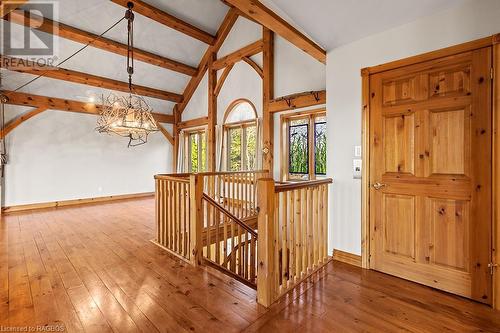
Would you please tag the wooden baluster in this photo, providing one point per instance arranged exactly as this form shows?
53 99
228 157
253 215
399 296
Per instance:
284 241
172 215
233 247
239 251
277 241
291 239
298 234
238 196
309 230
181 220
245 254
158 209
186 218
316 238
304 231
178 216
325 223
217 223
265 245
253 264
168 213
224 245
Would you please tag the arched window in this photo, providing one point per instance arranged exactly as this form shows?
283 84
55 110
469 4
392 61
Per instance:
240 127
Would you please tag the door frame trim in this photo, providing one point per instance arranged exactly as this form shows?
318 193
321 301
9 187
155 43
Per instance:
494 42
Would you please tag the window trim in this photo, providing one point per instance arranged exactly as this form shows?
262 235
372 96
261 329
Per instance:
284 146
243 125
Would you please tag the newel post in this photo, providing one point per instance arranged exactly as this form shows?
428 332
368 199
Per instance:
196 218
265 247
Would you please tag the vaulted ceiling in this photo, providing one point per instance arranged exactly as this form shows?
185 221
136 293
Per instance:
172 38
177 50
333 23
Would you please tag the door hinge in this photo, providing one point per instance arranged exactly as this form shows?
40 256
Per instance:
492 267
492 73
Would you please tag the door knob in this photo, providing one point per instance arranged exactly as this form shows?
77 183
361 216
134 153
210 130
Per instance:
378 185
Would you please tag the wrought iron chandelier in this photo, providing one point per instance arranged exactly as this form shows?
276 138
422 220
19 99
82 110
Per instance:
128 116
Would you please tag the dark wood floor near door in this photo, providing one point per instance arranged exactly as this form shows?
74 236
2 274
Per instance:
93 268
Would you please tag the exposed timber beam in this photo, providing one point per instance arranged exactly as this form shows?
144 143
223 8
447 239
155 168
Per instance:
297 101
202 121
222 79
18 98
234 57
222 33
266 17
169 20
8 6
267 96
254 65
165 133
11 125
26 66
84 37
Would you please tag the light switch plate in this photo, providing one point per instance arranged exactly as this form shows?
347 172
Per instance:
357 151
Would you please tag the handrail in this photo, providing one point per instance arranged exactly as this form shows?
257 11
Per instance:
230 215
216 173
175 179
299 185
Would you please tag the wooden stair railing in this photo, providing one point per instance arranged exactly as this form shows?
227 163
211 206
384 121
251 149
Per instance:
181 225
293 235
235 252
270 236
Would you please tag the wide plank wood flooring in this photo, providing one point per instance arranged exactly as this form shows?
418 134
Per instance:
93 269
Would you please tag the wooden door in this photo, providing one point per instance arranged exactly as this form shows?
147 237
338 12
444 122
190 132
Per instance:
431 174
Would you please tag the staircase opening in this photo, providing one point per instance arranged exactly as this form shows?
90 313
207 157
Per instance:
270 236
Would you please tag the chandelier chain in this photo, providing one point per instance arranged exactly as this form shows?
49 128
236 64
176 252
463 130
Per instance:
131 116
129 15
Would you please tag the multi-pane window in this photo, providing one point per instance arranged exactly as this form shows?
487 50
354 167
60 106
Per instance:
304 145
196 151
240 125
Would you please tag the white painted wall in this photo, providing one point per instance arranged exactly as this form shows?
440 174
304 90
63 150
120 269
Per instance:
58 156
471 20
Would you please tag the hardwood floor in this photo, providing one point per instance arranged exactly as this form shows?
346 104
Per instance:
93 269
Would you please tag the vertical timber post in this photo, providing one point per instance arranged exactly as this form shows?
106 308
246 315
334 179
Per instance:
268 95
265 246
196 218
212 112
175 130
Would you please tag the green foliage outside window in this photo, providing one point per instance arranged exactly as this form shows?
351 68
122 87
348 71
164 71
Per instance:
320 148
193 149
197 152
251 148
235 149
299 149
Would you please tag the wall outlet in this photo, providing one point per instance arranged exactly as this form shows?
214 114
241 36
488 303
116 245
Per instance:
356 168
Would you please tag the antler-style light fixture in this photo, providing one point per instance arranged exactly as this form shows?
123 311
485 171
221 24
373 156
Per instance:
128 116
